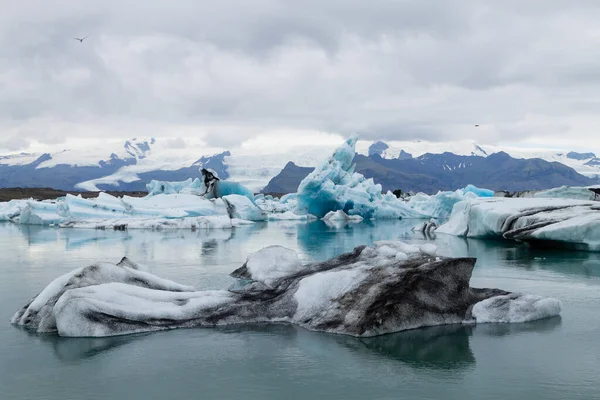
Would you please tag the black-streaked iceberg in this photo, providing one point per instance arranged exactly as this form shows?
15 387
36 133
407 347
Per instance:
388 287
543 221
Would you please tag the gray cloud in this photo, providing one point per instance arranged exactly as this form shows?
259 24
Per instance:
14 143
177 143
389 70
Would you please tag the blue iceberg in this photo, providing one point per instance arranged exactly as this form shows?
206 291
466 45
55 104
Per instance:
479 192
334 186
440 205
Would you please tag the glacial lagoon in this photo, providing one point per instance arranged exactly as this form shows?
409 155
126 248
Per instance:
556 358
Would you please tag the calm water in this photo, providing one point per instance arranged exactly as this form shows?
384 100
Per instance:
557 358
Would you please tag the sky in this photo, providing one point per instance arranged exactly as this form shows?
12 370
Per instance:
232 72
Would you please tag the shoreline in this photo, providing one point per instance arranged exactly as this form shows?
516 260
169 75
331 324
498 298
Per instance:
20 193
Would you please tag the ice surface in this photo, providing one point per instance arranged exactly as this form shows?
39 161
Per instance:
141 306
273 263
514 308
429 249
316 293
569 222
335 186
39 313
385 288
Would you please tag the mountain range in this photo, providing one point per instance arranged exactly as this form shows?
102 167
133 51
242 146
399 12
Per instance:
409 166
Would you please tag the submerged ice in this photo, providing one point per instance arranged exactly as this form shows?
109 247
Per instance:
388 287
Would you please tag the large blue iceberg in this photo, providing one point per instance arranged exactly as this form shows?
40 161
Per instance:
334 186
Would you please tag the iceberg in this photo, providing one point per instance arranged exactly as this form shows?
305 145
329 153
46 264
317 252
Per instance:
273 205
440 205
387 287
570 192
11 209
339 215
161 211
211 187
551 221
242 208
334 186
479 192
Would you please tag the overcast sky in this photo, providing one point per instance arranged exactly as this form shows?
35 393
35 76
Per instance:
230 70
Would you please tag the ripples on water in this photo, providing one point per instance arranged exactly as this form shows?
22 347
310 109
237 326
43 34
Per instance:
556 358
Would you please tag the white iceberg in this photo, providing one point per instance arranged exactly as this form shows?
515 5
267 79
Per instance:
339 215
570 223
385 288
273 205
11 209
335 186
570 192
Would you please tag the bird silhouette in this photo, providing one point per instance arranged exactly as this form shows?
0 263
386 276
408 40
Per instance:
82 39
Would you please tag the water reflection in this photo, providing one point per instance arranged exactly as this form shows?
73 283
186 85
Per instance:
315 240
490 253
438 347
444 347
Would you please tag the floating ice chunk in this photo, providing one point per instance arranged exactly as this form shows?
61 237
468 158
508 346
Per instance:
573 223
241 207
39 213
362 293
335 186
339 215
515 307
226 188
148 211
272 263
11 209
400 256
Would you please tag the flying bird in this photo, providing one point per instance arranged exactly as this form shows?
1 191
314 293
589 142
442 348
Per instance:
82 39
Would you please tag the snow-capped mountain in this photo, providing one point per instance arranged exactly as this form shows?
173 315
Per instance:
130 165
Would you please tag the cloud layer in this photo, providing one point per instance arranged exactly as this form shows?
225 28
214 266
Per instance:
228 71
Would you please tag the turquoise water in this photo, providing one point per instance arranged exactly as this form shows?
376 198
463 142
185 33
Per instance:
557 358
